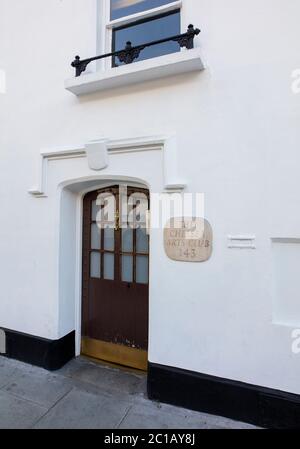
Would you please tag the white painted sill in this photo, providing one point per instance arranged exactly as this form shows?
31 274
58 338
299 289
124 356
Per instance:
151 69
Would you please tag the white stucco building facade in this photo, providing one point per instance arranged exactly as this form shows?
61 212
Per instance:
220 119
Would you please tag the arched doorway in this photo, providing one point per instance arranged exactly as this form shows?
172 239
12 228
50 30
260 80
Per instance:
115 275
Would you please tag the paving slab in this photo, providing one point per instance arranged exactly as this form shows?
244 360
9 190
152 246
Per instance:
107 378
150 415
16 413
82 410
6 371
38 386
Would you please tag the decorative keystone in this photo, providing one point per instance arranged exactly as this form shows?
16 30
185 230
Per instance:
97 154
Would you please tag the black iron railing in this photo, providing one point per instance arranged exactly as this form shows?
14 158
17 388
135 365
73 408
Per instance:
130 53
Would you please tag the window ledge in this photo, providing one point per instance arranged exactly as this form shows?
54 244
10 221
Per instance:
150 69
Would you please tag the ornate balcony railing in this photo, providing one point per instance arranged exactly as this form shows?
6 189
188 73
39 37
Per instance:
130 53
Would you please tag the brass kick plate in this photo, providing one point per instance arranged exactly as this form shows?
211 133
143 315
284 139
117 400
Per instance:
119 354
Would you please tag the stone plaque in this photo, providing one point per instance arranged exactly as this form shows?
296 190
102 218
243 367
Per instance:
188 239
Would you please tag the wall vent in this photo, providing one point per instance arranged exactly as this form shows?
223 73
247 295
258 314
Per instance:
241 242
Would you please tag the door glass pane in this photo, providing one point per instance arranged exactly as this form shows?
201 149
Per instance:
109 239
127 263
142 270
127 240
109 266
142 240
95 264
95 210
95 237
151 30
121 8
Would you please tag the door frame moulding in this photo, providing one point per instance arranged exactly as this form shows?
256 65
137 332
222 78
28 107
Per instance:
79 242
167 144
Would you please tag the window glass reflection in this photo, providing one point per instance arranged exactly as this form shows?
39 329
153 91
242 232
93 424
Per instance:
149 31
109 266
121 8
127 265
127 240
95 265
142 240
109 239
95 237
142 270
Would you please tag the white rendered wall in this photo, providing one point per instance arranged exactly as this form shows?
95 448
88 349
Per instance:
237 125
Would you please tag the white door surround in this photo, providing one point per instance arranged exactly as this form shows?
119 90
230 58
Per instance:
66 175
167 144
70 249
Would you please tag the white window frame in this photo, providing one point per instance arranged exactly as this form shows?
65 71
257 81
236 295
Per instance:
105 26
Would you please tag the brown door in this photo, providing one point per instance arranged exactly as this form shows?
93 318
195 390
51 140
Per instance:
115 276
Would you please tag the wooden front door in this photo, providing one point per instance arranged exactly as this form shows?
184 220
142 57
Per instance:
115 276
